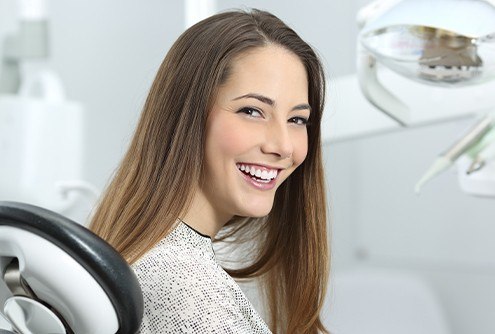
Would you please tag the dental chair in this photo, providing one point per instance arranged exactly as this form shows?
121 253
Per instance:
57 277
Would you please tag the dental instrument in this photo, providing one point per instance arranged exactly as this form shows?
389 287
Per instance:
481 158
485 141
445 160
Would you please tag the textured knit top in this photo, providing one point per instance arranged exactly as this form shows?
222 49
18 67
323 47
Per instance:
185 290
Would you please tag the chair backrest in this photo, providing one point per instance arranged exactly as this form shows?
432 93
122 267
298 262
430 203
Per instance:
59 277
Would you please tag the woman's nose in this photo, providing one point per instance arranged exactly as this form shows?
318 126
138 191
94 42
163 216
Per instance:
278 141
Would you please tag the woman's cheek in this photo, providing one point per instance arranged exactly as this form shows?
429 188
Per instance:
235 136
300 147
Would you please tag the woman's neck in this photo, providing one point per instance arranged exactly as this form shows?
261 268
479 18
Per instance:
204 217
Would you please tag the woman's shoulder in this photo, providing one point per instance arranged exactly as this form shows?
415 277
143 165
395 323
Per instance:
184 287
173 256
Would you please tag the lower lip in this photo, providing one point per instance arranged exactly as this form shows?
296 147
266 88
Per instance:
259 185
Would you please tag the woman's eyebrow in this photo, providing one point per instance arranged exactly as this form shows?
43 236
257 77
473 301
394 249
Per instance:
271 102
259 97
303 106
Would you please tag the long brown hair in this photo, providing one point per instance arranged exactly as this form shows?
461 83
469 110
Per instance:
154 183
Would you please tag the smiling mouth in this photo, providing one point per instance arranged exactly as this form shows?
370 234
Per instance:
262 175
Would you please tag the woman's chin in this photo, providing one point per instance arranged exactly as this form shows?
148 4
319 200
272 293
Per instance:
257 211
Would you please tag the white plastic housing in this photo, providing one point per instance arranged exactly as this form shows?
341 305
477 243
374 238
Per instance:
59 280
29 316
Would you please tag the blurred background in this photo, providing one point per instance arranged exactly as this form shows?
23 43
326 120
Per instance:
401 262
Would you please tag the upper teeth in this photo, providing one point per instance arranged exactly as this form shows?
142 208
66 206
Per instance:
264 174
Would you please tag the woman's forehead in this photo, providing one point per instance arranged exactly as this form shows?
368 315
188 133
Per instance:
271 71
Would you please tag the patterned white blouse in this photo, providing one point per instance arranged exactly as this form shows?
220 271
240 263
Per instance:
186 291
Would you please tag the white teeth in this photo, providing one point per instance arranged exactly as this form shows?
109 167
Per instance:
263 174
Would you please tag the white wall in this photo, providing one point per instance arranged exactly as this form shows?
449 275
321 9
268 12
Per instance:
444 235
107 53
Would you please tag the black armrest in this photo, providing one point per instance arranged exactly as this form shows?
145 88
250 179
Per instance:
106 265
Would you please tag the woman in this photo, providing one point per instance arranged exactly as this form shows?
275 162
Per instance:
228 146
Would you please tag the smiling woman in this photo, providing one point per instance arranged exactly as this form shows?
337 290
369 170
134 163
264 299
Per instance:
225 148
259 131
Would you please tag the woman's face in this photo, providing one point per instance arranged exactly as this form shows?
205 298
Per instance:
257 125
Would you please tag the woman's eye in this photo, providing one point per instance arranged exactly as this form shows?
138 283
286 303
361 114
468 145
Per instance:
299 120
251 112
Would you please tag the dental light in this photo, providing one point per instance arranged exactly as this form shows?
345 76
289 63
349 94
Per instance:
445 43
